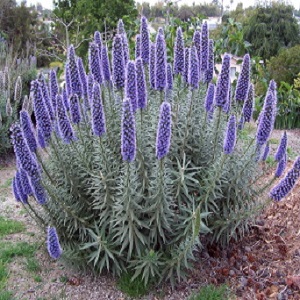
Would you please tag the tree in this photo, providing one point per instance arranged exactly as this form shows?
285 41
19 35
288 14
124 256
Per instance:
271 28
92 15
285 66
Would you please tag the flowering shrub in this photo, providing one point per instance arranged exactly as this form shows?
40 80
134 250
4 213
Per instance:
142 162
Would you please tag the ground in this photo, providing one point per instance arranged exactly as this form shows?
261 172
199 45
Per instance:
265 264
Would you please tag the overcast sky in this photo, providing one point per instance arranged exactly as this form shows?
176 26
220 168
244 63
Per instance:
49 3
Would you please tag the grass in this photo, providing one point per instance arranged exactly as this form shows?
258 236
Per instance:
10 227
6 184
4 295
274 141
135 288
211 292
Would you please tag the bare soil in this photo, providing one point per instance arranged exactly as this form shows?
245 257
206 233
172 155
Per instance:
265 264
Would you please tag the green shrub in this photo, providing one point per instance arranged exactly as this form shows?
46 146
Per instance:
124 199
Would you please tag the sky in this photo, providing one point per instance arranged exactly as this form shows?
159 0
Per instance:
296 3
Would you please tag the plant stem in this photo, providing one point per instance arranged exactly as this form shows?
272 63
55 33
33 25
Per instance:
217 131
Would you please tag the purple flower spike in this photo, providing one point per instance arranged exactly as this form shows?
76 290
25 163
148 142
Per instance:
125 48
105 64
282 148
94 62
145 41
241 123
227 106
210 63
65 129
25 183
82 75
179 53
193 69
266 120
163 137
38 190
230 137
68 80
98 39
65 99
138 46
281 166
76 87
75 109
222 90
160 63
41 113
118 62
28 131
24 156
249 104
197 44
98 117
266 152
141 84
128 135
186 64
45 95
287 183
53 246
209 99
120 27
152 65
90 83
204 51
41 138
130 85
53 89
18 182
169 77
15 190
243 81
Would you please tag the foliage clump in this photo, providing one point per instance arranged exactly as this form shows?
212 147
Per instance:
134 176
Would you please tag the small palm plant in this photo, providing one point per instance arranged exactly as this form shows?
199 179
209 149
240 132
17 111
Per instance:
129 166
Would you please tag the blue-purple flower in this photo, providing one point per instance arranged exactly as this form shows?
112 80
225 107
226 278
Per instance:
25 182
130 85
209 99
281 148
137 50
193 78
141 84
266 120
75 109
160 63
179 53
65 100
163 137
118 62
41 113
287 183
169 77
186 64
204 51
38 190
98 39
76 87
210 63
18 183
105 64
45 95
266 152
125 48
28 131
68 86
53 89
41 138
53 245
145 41
98 117
281 166
248 104
65 129
222 89
25 158
128 134
94 62
15 190
120 27
152 65
230 136
243 81
82 75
